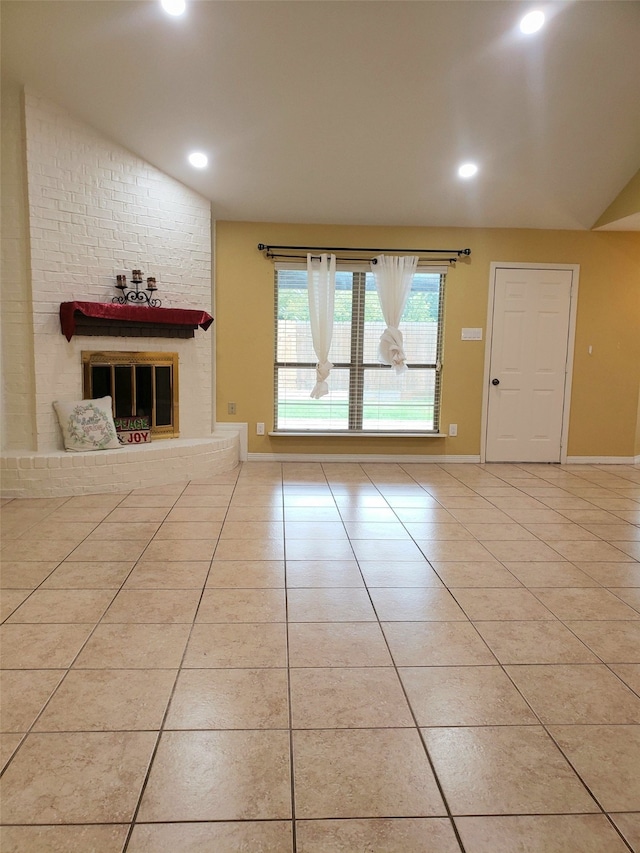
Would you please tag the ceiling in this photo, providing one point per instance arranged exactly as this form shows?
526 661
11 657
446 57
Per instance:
354 111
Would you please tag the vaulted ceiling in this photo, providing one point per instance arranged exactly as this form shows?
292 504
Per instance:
354 111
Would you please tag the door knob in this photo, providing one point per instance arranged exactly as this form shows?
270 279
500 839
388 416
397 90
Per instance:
495 381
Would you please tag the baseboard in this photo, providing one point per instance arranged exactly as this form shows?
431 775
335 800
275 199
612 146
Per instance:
603 460
358 457
398 458
242 431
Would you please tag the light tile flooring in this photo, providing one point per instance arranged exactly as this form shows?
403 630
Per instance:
323 658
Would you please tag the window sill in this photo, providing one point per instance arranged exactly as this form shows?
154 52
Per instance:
317 434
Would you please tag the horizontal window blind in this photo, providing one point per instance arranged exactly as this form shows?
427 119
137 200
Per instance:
364 395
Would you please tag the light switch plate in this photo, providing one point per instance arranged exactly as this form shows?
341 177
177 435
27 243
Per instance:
472 334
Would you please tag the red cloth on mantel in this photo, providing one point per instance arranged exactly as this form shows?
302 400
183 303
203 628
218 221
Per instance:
132 313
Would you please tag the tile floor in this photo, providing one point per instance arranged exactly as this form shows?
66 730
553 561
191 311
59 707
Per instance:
323 658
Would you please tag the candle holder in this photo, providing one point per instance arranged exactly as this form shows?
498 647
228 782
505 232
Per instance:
135 295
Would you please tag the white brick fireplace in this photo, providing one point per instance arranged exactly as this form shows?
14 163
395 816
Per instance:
95 211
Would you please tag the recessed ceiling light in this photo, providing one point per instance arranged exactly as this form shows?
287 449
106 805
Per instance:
198 159
467 170
174 7
532 22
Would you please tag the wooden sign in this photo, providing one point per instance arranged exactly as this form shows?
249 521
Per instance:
128 424
133 430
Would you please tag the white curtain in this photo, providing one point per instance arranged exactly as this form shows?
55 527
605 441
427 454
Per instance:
321 286
393 276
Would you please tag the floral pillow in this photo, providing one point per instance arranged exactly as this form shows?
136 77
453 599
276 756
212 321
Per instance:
87 424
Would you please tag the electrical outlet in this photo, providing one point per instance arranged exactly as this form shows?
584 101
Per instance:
453 429
231 408
259 429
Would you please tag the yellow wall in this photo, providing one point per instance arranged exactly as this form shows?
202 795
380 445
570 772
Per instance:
606 384
18 366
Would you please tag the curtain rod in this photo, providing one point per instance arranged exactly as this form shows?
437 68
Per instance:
273 255
262 247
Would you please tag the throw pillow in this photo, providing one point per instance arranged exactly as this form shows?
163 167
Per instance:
87 424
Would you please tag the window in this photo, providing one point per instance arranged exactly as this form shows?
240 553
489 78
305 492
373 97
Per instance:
364 395
140 384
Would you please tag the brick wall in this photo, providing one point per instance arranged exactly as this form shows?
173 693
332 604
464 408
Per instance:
96 210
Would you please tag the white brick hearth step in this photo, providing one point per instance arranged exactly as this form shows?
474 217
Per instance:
59 473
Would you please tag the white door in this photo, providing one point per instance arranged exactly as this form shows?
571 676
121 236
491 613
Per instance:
528 363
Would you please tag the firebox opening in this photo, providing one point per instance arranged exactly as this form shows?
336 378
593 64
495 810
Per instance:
140 384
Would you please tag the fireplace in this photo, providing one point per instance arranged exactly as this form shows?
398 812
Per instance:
140 384
62 274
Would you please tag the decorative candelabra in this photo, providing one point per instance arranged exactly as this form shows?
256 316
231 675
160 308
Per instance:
137 296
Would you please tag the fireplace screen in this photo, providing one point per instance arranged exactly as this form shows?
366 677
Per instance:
141 384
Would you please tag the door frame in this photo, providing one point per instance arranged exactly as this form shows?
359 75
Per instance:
568 377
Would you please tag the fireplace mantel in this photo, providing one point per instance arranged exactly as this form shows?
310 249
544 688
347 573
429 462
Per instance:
106 318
